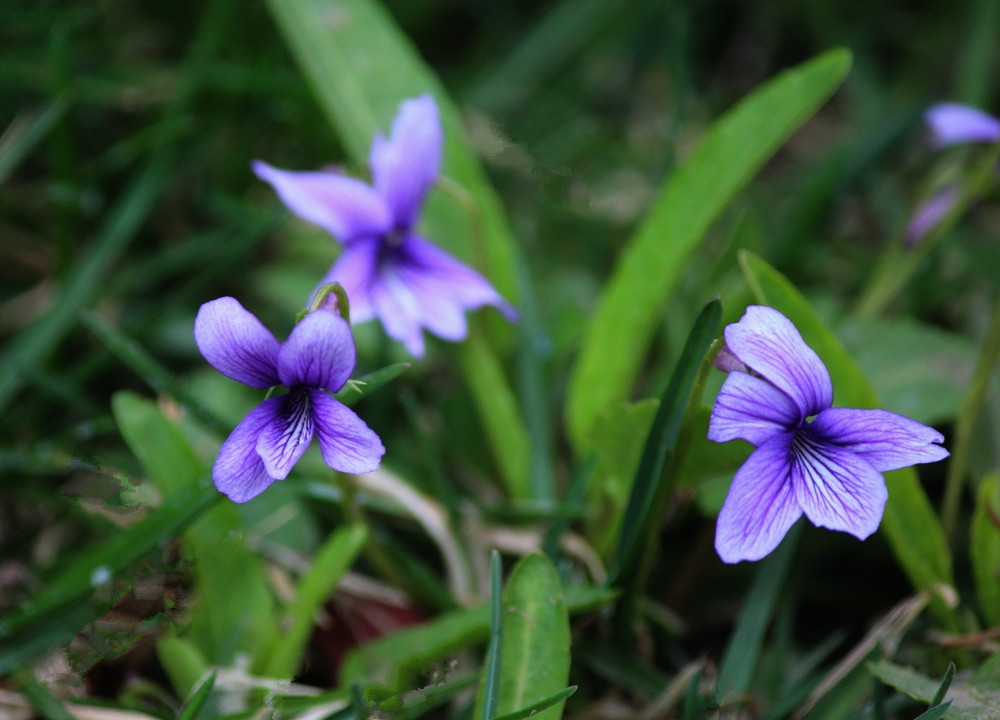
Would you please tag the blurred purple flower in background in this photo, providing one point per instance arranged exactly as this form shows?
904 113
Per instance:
950 124
317 356
953 124
387 270
811 458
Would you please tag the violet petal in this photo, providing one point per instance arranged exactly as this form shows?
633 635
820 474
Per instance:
406 165
468 288
236 344
768 343
285 439
953 123
355 271
887 441
319 352
348 445
836 488
761 504
239 472
342 205
749 408
395 305
930 213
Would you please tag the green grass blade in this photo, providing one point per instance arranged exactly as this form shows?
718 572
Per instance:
151 370
397 659
648 490
536 708
33 344
743 652
42 700
197 701
98 566
490 689
331 562
985 549
913 530
354 390
24 133
731 152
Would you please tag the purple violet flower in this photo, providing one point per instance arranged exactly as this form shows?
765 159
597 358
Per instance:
931 212
953 124
387 269
317 356
811 458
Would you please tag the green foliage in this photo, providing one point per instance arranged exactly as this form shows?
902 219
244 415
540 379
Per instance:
974 698
729 155
985 548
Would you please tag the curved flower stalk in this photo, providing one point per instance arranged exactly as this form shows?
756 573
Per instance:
949 124
387 269
317 356
811 458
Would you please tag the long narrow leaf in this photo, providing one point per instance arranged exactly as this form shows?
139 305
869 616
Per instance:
731 152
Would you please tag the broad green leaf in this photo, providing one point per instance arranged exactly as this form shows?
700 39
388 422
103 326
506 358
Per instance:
396 660
536 644
616 440
912 528
975 698
925 383
632 305
985 550
182 662
288 638
234 607
361 67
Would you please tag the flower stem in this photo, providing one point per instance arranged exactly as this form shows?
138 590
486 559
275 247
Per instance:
898 264
968 413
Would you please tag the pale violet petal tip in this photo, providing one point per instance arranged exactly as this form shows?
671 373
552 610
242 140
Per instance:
953 123
836 488
347 443
887 441
318 353
768 343
760 507
235 343
930 213
406 165
344 206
